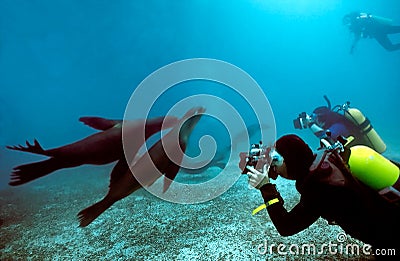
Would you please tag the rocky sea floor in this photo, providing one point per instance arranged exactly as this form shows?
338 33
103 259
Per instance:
38 222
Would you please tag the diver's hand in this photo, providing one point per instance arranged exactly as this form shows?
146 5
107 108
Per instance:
258 179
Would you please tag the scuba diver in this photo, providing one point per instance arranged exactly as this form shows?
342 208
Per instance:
329 182
364 25
341 120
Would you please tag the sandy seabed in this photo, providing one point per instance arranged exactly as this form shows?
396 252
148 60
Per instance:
38 222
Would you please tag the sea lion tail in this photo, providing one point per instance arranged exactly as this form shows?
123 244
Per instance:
25 173
89 214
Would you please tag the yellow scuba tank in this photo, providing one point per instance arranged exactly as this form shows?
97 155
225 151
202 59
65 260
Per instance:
368 166
382 20
356 116
375 171
372 168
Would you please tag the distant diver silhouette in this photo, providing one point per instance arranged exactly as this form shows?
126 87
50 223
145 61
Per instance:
364 25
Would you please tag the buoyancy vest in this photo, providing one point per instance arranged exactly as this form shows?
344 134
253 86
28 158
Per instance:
355 207
326 170
360 166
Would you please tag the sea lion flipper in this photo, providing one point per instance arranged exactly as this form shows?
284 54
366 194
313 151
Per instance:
32 148
24 173
170 175
99 123
89 214
118 171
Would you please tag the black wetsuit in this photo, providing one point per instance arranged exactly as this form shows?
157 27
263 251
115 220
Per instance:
341 200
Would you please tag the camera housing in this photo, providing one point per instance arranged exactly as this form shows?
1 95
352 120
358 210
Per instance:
256 152
301 121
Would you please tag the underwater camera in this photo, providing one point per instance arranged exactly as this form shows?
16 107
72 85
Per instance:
256 152
301 121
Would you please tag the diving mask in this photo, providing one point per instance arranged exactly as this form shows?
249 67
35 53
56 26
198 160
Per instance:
276 161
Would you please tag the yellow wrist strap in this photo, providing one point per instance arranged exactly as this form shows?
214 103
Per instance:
261 207
272 201
269 203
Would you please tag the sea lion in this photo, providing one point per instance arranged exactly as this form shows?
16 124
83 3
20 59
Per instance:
221 157
220 160
148 167
100 148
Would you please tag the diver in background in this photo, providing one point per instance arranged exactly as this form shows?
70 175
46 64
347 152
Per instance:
341 120
323 120
364 25
327 190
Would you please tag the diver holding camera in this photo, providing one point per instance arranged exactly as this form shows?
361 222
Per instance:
327 189
262 159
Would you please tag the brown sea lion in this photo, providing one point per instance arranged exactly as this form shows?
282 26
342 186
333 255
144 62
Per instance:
148 168
100 148
221 157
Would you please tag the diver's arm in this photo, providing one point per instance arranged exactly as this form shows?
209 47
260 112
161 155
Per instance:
317 130
309 122
287 223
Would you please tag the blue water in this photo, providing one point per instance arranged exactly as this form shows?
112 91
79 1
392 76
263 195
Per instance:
60 60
